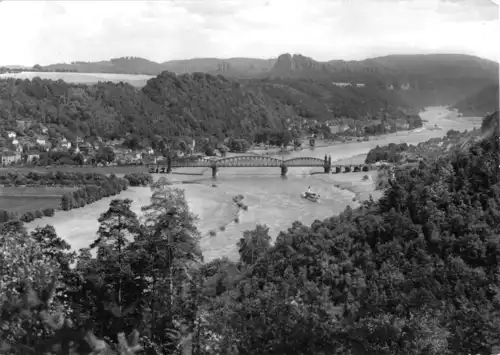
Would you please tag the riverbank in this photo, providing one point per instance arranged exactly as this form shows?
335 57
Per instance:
356 183
271 200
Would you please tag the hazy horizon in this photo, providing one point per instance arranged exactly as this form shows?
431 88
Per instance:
248 57
64 32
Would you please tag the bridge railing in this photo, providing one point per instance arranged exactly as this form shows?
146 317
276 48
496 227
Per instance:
259 161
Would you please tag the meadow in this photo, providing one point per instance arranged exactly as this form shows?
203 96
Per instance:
82 78
79 169
26 199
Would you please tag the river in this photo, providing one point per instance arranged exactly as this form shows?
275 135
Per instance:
270 199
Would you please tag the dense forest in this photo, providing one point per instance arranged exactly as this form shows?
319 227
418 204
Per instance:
321 99
168 105
191 105
480 103
416 272
420 79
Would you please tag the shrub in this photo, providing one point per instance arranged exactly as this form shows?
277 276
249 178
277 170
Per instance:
28 217
48 212
139 179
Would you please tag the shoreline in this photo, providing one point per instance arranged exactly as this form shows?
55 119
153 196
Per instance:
273 203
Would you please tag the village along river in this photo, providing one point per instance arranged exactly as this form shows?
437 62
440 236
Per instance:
270 199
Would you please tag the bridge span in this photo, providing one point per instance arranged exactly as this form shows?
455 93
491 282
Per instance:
258 161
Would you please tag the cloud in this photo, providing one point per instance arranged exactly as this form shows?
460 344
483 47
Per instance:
468 10
62 31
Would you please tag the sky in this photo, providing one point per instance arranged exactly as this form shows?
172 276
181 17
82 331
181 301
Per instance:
47 32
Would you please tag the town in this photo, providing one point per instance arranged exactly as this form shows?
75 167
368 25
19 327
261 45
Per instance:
31 143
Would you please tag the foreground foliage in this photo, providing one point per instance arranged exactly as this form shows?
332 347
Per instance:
415 273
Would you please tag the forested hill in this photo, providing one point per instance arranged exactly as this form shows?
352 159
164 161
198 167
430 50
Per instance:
168 105
480 103
182 105
421 79
321 99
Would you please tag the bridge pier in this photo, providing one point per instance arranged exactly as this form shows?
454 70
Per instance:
328 168
338 169
284 171
214 172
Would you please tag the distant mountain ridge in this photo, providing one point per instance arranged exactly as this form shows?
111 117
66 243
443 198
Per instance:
420 79
296 65
137 65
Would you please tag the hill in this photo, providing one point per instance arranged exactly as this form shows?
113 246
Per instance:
187 105
231 67
480 103
125 65
422 80
167 106
321 99
133 65
137 80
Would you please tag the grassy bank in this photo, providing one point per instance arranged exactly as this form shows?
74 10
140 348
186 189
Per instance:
79 169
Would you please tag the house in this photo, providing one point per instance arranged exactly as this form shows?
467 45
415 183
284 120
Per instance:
401 124
360 85
43 129
21 124
15 141
41 141
342 85
32 156
334 129
65 144
8 158
343 127
86 148
11 134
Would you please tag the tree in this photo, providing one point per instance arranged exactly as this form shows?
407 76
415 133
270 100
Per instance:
22 261
287 138
117 227
168 249
254 243
53 247
105 155
238 145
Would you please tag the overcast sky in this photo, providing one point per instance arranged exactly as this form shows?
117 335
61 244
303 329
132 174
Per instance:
44 32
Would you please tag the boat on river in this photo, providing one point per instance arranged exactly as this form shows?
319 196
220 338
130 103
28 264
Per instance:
311 196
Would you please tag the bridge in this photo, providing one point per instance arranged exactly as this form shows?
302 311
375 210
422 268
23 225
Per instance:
258 161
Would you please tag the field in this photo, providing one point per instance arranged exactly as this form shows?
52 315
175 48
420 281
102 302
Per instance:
78 169
82 78
24 199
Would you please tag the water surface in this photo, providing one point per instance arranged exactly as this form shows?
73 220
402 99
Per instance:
270 199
